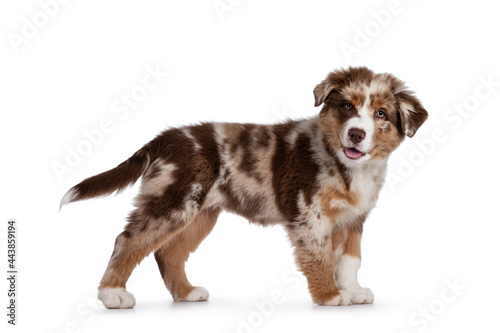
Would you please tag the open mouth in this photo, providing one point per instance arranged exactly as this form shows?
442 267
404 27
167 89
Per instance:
353 153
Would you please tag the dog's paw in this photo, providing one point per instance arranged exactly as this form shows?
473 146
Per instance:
116 298
199 294
344 297
362 296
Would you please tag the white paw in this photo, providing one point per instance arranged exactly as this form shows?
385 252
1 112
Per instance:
199 294
343 298
116 298
362 296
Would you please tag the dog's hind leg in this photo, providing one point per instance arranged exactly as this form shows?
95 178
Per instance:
172 256
143 234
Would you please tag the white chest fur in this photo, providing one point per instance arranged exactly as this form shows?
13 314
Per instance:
366 182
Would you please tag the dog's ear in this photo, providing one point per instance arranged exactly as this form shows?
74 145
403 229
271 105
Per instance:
332 83
322 90
336 80
411 111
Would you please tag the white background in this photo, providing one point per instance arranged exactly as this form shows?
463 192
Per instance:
436 220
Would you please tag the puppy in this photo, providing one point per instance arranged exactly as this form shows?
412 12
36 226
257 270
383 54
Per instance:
319 178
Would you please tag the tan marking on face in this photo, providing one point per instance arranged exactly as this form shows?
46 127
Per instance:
378 102
355 95
386 139
332 128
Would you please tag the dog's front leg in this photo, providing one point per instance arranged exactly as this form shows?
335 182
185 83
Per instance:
315 257
348 260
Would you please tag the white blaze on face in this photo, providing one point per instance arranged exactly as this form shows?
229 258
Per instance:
364 121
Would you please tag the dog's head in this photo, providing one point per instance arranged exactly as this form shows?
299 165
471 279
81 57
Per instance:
365 116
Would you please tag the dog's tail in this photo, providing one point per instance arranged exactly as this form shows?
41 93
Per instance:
117 179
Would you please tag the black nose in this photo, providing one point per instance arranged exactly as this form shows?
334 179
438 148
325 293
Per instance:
356 135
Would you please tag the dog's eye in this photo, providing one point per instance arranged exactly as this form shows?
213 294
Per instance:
348 106
380 113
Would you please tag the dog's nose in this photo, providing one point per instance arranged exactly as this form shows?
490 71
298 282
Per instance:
356 135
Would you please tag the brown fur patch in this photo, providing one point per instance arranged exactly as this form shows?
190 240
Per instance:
294 171
172 256
318 269
129 252
192 167
116 179
348 238
352 242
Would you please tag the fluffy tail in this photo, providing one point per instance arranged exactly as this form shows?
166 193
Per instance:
117 179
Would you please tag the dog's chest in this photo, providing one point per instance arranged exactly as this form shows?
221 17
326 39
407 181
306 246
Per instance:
366 187
342 205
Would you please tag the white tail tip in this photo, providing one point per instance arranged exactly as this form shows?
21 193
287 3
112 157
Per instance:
68 197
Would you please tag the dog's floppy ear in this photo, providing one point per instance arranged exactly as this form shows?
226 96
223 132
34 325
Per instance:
411 112
322 91
333 82
336 80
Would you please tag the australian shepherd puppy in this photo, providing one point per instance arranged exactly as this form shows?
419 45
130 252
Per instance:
319 178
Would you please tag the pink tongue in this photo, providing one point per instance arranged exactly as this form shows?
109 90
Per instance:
353 152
